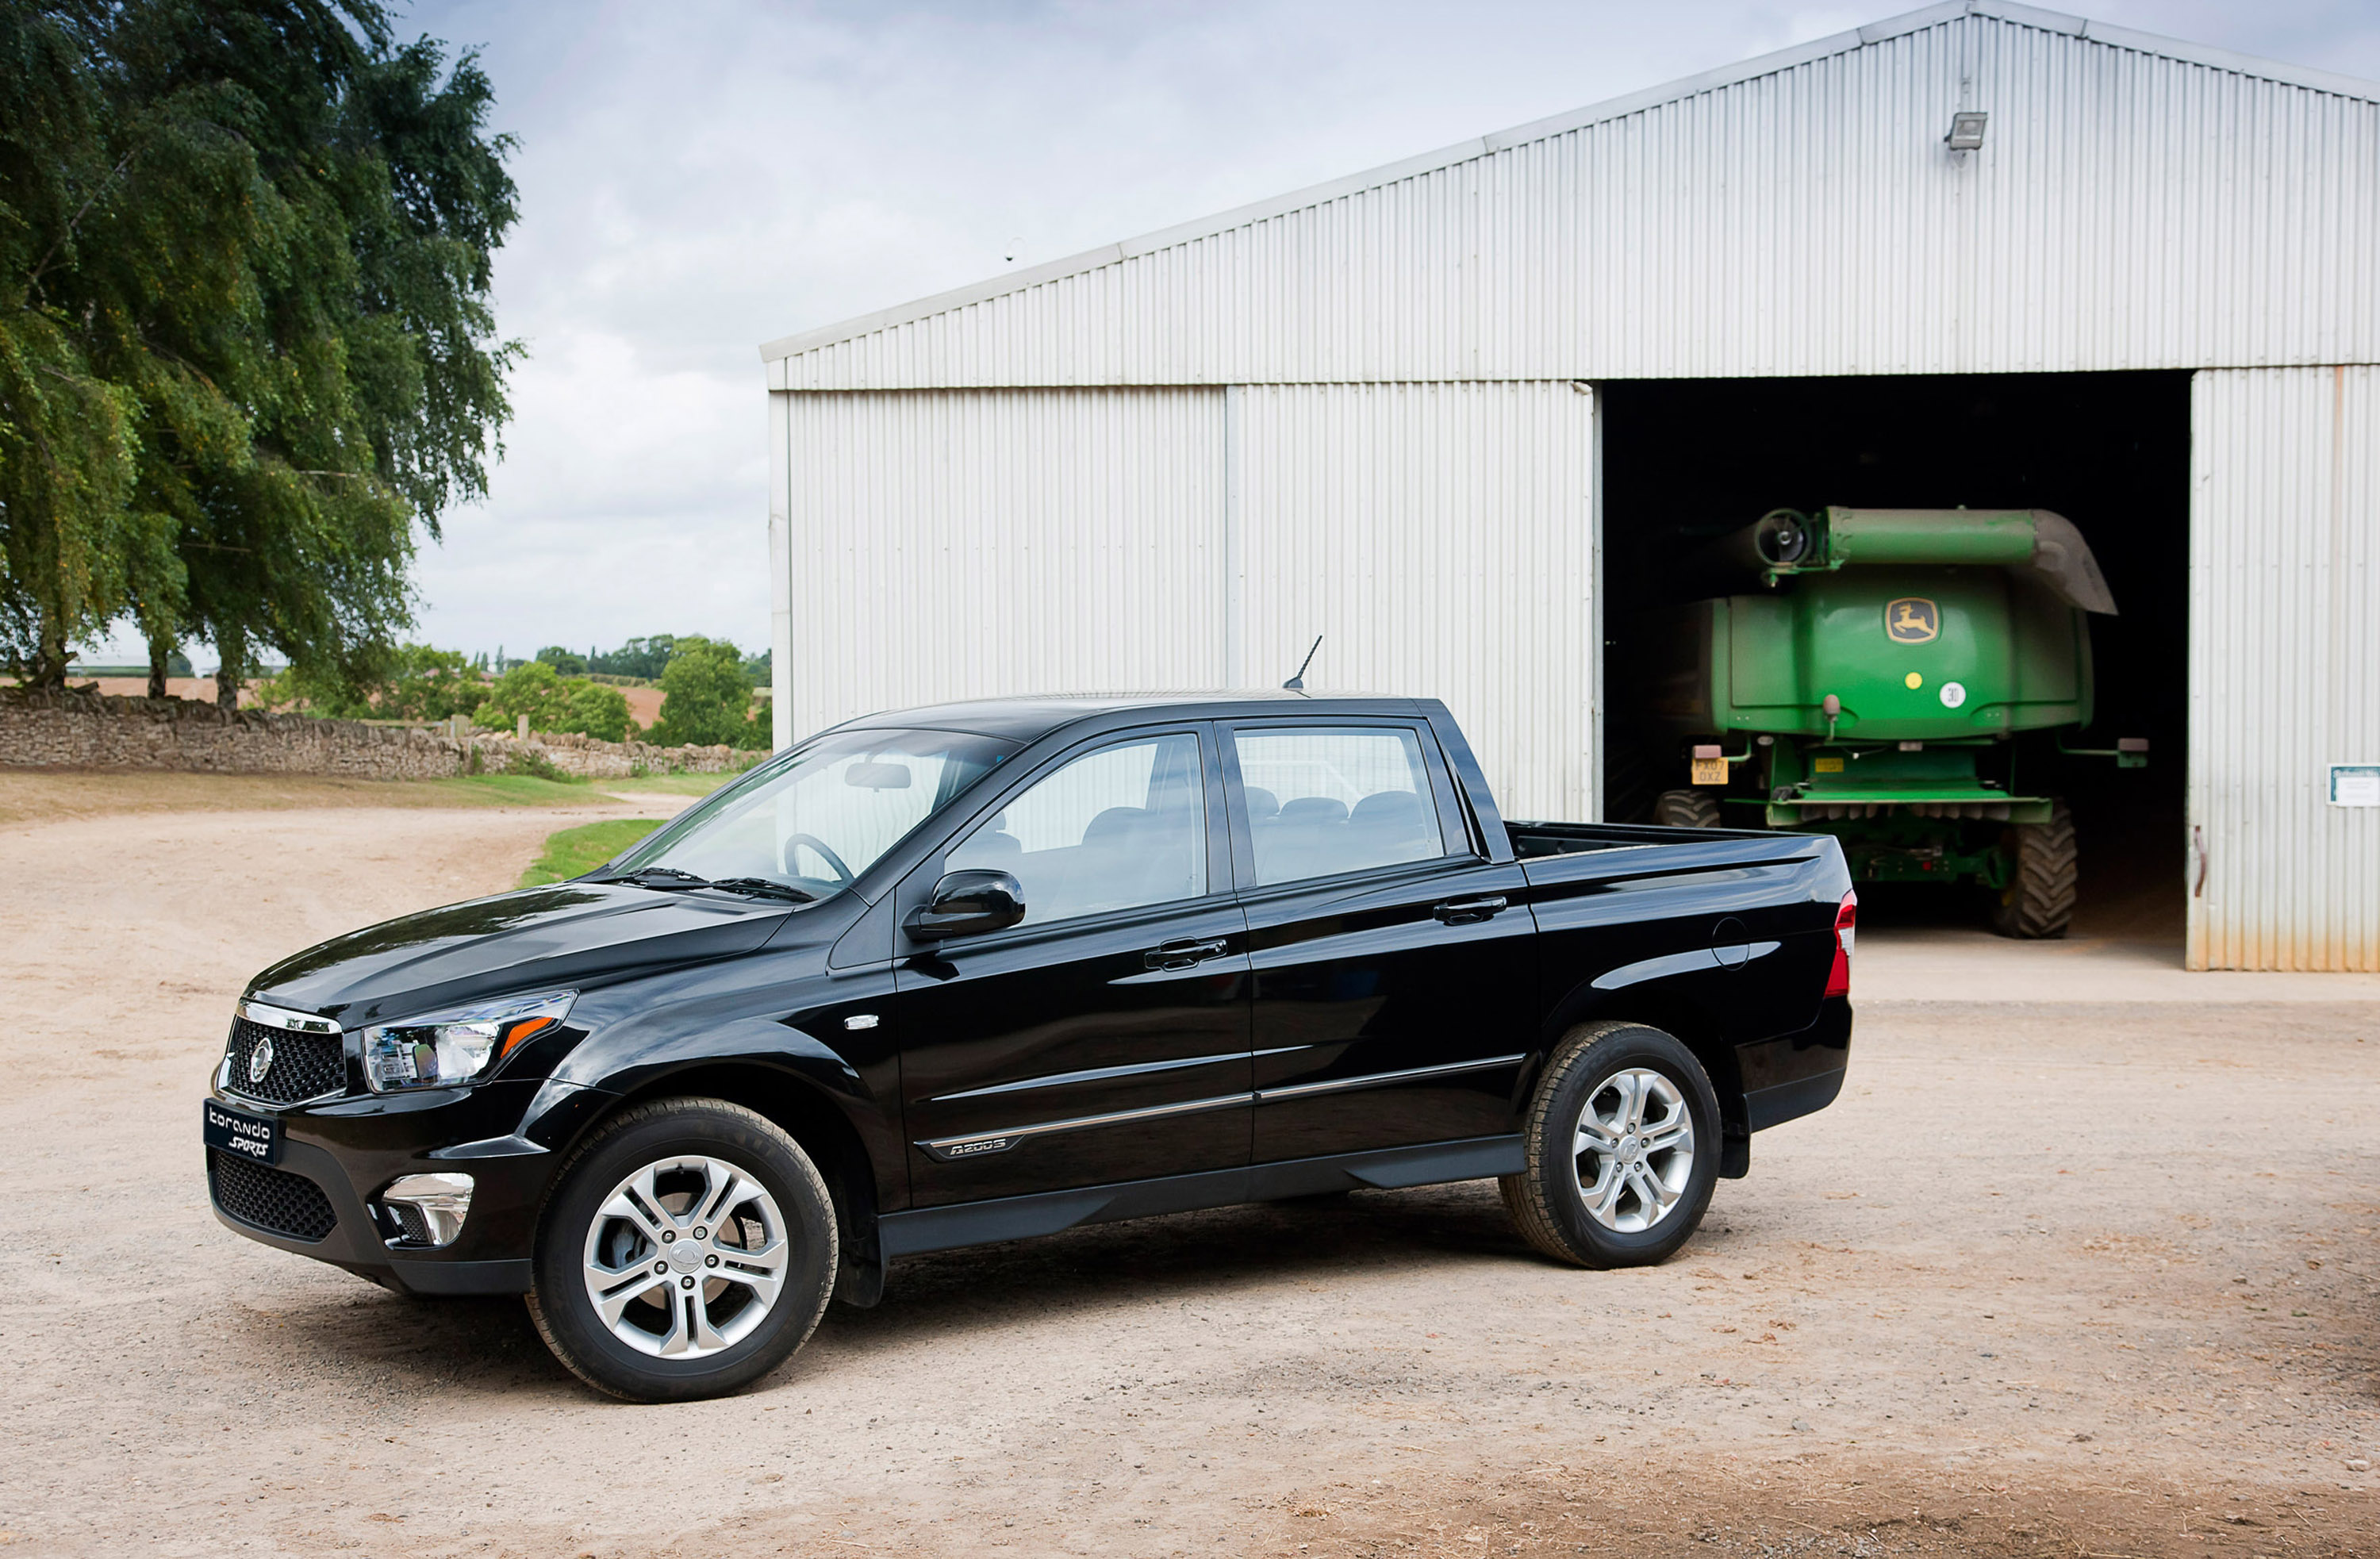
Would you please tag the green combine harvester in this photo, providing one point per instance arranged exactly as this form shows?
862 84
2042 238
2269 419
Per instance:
1871 681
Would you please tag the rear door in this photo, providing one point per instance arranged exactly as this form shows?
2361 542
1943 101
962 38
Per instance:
1105 1038
1393 966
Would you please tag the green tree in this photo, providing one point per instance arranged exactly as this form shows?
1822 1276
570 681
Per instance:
643 659
707 697
555 704
246 346
569 663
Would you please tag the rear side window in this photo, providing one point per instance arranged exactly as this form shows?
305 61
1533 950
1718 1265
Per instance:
1327 799
1115 829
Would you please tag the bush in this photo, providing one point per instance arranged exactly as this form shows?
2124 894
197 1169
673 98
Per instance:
529 762
707 698
555 704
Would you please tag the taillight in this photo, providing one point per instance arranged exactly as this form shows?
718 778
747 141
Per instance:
1839 979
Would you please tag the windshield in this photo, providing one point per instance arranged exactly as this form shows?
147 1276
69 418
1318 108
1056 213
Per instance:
817 819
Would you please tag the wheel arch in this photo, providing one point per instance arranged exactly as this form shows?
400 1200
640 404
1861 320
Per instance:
812 1117
1680 1014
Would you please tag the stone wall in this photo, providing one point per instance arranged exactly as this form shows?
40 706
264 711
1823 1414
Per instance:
82 728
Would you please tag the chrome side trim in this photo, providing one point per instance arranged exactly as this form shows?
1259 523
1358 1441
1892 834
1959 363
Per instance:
1381 1080
1096 1073
949 1148
1695 960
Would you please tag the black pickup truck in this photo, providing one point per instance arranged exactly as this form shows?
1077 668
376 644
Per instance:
970 973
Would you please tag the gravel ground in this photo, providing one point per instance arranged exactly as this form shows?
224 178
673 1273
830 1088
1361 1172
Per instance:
2081 1279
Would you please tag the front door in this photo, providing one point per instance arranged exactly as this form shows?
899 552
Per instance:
1105 1037
1394 968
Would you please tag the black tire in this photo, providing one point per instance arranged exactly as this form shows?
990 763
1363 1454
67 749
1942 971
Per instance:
1547 1200
1686 809
658 1133
2039 899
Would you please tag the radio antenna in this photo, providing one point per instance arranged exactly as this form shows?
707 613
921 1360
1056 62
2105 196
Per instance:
1297 683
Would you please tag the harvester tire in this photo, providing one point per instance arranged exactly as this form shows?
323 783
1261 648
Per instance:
2039 899
1686 809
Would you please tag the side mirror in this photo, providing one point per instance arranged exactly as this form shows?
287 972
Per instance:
967 904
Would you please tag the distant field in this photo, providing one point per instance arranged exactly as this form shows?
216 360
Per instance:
573 851
39 795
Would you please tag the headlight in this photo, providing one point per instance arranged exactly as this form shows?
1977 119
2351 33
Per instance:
455 1047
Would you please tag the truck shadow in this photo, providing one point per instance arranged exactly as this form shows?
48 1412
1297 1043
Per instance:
1214 1258
382 1344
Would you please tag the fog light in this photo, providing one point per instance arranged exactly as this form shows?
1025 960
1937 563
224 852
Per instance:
428 1209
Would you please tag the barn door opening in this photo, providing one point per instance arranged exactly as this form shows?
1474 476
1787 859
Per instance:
1688 462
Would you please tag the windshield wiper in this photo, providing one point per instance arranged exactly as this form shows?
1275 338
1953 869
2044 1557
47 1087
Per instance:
764 887
670 879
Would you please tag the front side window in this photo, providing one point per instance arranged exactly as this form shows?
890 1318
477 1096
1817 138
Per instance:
1115 829
1327 799
826 814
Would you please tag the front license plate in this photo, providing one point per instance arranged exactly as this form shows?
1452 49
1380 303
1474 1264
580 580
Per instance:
236 1131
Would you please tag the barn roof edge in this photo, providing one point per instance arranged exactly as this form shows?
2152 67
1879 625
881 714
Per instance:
772 352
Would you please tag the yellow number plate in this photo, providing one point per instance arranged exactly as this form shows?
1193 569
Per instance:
1710 771
1829 765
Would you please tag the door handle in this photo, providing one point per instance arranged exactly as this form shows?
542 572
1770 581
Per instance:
1185 955
1468 912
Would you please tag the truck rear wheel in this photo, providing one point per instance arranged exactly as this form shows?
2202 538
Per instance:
2039 899
1623 1145
1686 809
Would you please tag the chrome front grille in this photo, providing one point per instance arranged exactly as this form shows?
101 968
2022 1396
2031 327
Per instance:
301 1065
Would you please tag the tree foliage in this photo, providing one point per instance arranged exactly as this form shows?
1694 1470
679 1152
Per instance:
707 698
416 682
553 702
246 343
644 659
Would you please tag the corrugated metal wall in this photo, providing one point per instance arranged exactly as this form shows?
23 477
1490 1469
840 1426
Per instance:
1441 539
950 545
2128 209
2285 668
958 544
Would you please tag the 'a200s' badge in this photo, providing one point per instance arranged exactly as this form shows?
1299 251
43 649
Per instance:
1913 619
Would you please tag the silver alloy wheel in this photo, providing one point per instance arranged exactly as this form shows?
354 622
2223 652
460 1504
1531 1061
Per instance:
1634 1150
686 1257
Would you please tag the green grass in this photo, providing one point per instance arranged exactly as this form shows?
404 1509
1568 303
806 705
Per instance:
571 851
509 790
667 785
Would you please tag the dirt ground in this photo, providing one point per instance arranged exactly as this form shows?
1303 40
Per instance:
2079 1278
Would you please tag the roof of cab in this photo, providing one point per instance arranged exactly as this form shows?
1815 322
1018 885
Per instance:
1030 717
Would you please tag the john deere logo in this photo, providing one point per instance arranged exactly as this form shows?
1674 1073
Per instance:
1913 619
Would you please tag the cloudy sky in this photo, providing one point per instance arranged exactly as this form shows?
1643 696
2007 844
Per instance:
699 177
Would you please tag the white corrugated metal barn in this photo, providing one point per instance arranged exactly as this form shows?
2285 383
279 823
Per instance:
1426 411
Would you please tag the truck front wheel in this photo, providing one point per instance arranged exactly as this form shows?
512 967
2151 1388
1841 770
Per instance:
1622 1144
2039 899
689 1247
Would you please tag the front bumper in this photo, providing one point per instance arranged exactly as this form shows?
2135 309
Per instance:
352 1147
